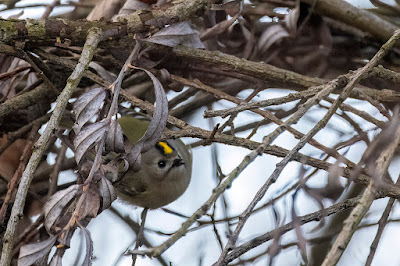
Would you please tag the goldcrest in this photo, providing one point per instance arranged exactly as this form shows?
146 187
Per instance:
165 170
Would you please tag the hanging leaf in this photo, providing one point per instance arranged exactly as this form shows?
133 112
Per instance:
87 105
88 136
91 204
89 247
291 19
270 36
30 253
156 126
107 193
55 205
115 137
177 34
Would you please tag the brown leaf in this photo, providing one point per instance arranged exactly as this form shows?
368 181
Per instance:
89 247
270 36
156 126
91 204
129 7
177 34
104 73
115 137
107 193
87 137
87 105
291 19
56 204
218 28
30 253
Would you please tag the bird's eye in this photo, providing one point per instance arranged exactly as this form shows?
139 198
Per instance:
162 164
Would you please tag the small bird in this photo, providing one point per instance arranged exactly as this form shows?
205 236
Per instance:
165 170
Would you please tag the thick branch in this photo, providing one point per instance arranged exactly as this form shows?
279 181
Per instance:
276 77
53 31
344 12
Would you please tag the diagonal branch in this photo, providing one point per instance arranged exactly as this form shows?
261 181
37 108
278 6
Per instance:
92 41
354 79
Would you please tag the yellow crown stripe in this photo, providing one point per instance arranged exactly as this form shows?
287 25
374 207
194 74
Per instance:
166 148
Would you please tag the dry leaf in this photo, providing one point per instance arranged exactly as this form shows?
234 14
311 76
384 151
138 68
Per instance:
88 136
107 193
87 105
30 253
89 247
291 19
218 28
177 34
156 126
56 204
115 137
270 36
91 204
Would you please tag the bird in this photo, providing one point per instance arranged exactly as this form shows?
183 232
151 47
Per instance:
165 170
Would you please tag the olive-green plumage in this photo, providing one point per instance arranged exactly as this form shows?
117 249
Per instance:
165 170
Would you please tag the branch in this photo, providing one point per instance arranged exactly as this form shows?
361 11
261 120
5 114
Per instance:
276 77
383 221
354 79
195 132
354 219
93 39
344 12
315 216
40 93
53 31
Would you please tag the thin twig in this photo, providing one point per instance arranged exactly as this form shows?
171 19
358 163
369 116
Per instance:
93 39
354 79
136 227
239 169
49 9
56 170
319 93
140 236
315 216
13 72
369 194
383 221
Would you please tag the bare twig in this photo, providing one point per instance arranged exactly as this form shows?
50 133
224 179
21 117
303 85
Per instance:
359 18
315 216
140 236
56 170
354 79
93 39
369 194
383 221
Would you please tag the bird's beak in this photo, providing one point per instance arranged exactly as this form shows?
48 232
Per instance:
178 162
